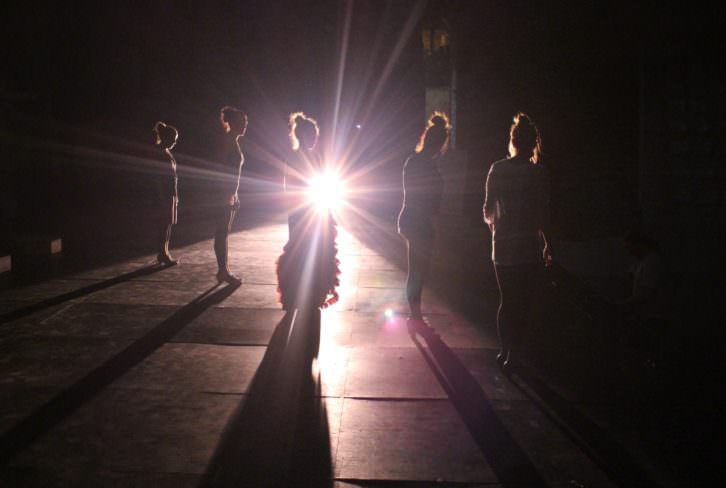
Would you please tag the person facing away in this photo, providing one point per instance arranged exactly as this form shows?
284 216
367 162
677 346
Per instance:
303 162
516 208
308 269
231 159
422 189
165 138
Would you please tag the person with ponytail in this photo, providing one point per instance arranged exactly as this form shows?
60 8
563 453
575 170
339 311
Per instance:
234 124
308 269
422 190
165 138
303 162
516 208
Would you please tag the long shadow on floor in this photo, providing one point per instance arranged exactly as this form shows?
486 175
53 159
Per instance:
608 454
573 362
279 435
86 290
510 464
69 400
599 445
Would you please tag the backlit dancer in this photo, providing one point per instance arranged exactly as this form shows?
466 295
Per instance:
234 124
422 189
165 138
516 208
307 270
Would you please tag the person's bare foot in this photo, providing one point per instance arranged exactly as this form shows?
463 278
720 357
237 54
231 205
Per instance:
502 358
224 276
165 259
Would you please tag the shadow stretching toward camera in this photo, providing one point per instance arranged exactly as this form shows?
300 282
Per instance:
22 434
86 290
278 436
608 454
508 461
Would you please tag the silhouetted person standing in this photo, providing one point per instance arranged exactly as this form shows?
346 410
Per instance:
167 190
280 437
422 189
234 123
307 270
516 208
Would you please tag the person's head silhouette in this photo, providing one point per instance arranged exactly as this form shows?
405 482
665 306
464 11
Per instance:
165 136
524 138
434 140
304 131
233 120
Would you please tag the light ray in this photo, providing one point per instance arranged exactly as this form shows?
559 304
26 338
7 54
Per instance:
341 71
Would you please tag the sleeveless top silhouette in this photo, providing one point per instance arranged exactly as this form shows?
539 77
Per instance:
422 190
231 160
308 269
167 184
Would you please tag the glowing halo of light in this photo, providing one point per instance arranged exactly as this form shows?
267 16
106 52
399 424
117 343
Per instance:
326 191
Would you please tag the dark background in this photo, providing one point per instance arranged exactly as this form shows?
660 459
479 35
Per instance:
87 82
612 86
628 99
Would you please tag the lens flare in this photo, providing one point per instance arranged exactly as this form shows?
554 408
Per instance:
327 192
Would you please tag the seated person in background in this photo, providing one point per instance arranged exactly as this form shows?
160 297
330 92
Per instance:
649 306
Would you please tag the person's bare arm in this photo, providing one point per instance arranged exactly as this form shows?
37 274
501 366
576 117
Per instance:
234 198
489 201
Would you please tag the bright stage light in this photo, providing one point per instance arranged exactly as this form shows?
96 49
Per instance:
326 191
388 313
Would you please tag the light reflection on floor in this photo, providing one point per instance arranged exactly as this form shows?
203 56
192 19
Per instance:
335 324
370 369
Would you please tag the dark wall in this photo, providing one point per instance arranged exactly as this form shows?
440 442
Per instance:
116 68
681 169
98 75
573 67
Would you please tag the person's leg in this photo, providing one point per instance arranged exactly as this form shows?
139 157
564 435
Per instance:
163 246
526 279
221 234
516 291
172 223
220 238
165 236
424 251
167 239
414 280
503 312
